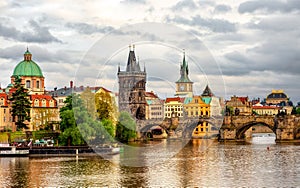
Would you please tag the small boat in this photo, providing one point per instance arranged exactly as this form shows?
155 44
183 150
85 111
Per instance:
11 151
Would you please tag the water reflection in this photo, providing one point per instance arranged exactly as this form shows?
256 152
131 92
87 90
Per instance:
200 163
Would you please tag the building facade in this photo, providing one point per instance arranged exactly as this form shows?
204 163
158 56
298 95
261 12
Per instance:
132 88
154 107
277 97
242 104
173 107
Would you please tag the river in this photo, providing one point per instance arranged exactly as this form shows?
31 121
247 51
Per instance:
202 163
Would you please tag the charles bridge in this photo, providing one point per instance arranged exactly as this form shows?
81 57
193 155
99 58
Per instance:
285 127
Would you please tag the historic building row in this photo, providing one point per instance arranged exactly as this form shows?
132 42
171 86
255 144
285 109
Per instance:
44 111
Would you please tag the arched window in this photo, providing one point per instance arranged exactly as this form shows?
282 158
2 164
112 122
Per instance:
44 103
36 102
38 84
27 83
51 103
2 101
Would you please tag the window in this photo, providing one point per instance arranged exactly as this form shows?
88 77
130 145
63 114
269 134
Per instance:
36 102
27 83
44 103
2 101
51 103
38 84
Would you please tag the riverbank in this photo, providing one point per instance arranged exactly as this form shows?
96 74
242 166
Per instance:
59 151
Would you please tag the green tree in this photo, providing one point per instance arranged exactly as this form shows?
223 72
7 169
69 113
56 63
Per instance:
126 127
88 99
105 106
70 133
20 104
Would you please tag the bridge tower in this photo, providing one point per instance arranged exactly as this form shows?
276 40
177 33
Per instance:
132 87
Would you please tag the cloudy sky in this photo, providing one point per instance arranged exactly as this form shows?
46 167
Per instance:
246 47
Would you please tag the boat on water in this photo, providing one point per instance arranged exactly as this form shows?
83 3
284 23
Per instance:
11 151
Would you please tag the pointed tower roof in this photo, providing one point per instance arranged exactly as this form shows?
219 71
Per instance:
184 71
207 92
132 64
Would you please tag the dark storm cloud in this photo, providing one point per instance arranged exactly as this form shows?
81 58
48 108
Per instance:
222 8
190 4
215 25
38 34
270 6
84 28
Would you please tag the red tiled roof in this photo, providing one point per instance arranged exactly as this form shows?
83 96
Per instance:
243 99
106 90
178 99
47 97
4 95
151 94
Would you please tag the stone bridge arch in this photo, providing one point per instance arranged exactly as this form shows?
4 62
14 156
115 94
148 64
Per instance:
189 127
242 129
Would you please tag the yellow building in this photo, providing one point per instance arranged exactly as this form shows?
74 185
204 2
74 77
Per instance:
266 110
195 107
241 103
173 106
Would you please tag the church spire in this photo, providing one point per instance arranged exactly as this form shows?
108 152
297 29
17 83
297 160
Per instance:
184 70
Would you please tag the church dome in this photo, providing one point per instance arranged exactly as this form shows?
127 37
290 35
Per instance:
27 67
277 94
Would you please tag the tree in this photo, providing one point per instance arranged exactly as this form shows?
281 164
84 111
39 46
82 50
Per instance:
70 133
105 106
88 99
20 104
126 127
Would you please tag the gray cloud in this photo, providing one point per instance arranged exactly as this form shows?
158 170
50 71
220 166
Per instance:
84 28
269 6
39 54
222 8
283 23
215 25
38 34
134 1
189 4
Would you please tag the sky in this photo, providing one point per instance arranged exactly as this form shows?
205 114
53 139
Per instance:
243 48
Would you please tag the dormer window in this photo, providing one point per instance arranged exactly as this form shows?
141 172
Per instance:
44 103
36 102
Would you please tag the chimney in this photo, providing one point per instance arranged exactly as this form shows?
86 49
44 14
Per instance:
71 84
65 88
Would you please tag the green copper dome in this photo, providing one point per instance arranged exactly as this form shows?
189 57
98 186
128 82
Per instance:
27 67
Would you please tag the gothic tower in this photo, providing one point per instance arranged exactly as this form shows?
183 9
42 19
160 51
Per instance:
132 87
184 86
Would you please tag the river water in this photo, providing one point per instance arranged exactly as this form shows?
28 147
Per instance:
259 163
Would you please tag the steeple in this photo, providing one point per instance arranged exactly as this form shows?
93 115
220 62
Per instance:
207 92
132 64
184 71
27 55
